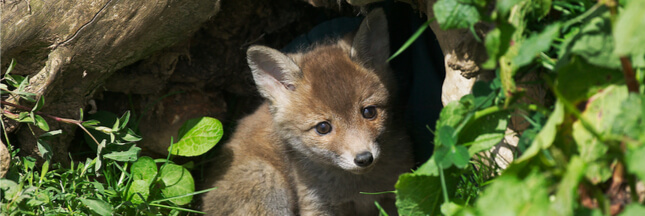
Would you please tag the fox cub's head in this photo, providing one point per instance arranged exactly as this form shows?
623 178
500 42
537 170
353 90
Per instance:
330 102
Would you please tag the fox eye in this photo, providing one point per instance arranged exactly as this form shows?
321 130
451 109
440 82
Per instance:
323 128
369 112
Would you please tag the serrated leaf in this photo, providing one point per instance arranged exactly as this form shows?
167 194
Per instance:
420 194
530 48
178 181
454 14
97 206
197 136
129 155
40 122
428 168
545 137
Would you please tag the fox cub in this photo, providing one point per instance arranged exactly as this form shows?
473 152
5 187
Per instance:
325 133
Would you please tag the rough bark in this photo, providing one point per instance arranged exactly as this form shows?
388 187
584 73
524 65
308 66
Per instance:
70 48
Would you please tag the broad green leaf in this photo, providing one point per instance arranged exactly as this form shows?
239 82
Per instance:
420 194
197 136
178 181
450 208
593 41
97 206
446 136
511 195
546 136
579 80
485 132
144 169
497 42
566 197
44 149
600 113
530 48
129 136
128 155
9 188
628 30
454 14
139 188
633 209
626 122
40 122
635 160
428 168
457 155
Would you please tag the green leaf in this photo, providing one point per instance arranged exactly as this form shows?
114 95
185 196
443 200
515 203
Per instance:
124 120
578 80
40 122
497 42
628 30
138 189
546 136
39 104
91 122
600 113
428 168
457 155
177 181
566 197
97 206
626 123
485 132
446 136
530 48
144 169
454 14
511 195
634 159
593 41
12 65
44 149
50 134
633 209
420 194
130 136
504 6
9 189
197 136
129 155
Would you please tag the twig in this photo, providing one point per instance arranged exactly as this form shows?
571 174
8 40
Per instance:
58 119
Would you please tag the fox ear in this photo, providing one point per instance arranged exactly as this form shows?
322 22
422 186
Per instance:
274 73
372 41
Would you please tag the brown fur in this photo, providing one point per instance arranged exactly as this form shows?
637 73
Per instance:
277 164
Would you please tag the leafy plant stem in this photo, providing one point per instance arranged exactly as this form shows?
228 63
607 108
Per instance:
443 184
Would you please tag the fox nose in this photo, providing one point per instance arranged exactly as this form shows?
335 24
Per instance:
364 159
